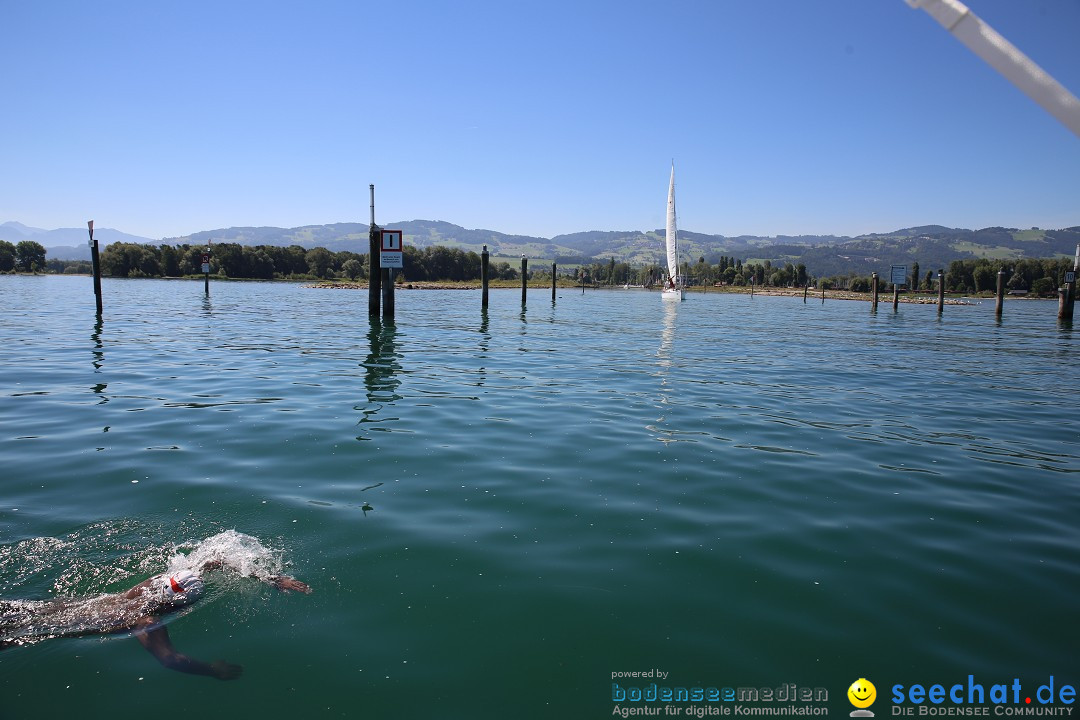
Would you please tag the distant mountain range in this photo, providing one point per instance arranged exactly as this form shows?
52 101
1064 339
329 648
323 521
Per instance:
931 246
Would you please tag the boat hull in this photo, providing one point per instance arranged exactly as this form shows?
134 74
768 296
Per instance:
675 295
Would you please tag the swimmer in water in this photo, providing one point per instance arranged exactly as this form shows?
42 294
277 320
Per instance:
138 611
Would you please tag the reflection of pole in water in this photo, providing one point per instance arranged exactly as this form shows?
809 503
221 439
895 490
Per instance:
95 336
484 347
380 370
98 359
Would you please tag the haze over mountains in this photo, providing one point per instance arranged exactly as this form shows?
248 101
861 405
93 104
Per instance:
930 245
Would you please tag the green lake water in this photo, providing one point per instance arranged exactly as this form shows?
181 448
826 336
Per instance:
497 511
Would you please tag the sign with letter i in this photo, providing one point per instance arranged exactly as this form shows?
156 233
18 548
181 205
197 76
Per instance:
391 250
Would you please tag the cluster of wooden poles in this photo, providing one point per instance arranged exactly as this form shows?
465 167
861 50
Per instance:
1066 295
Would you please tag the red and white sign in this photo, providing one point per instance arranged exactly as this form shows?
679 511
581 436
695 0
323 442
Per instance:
391 249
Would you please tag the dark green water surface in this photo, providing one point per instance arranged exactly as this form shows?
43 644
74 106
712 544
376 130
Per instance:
499 511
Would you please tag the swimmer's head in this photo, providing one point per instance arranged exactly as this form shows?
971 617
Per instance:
181 587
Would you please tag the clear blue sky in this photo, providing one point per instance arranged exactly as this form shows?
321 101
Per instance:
535 118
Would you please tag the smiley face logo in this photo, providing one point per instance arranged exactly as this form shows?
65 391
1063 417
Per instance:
862 694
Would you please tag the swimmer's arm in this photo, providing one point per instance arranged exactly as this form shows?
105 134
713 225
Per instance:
159 645
281 582
138 589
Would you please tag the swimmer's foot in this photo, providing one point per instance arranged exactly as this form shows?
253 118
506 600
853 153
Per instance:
225 670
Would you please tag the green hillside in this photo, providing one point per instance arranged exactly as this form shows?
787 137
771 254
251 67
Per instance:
931 246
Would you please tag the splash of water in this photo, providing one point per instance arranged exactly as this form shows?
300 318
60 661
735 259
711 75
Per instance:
231 551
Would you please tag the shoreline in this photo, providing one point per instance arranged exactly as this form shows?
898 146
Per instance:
920 299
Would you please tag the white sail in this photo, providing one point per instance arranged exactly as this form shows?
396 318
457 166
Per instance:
672 233
673 288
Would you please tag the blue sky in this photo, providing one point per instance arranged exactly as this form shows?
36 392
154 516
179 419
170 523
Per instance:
534 118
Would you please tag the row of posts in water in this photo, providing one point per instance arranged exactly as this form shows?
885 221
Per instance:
1066 295
381 282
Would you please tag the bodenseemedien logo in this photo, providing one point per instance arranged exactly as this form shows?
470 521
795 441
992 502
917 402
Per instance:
862 694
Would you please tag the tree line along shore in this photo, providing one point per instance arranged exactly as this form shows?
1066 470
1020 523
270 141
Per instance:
450 267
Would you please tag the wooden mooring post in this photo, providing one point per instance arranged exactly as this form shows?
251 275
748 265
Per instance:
1000 302
874 290
374 266
805 289
388 293
524 277
206 270
941 291
1065 301
1067 295
97 266
553 282
895 297
484 278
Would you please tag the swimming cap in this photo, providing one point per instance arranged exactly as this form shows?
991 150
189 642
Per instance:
181 587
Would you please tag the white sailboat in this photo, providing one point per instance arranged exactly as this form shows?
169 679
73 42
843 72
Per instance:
673 286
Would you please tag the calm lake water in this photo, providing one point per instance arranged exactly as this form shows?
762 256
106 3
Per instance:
499 511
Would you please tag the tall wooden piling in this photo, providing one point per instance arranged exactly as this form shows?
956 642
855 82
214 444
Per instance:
999 304
1066 303
1065 298
206 271
388 293
1076 270
553 282
374 266
874 290
941 291
805 289
895 297
484 278
97 266
524 277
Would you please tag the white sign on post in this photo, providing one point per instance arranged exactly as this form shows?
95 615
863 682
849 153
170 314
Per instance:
898 275
391 250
